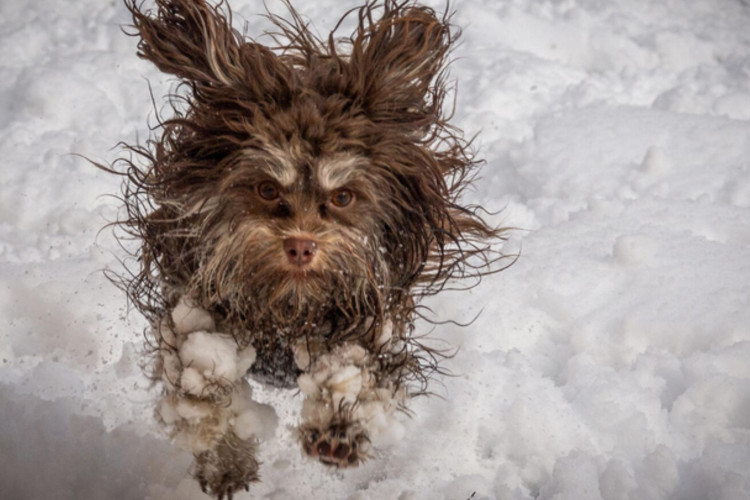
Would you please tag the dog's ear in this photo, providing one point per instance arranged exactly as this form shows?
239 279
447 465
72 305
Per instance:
196 42
396 61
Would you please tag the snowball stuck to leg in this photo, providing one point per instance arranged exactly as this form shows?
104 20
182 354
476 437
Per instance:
208 406
349 401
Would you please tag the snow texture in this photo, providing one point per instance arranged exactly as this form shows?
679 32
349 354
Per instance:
612 361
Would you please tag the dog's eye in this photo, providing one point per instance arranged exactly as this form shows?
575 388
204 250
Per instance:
342 198
268 191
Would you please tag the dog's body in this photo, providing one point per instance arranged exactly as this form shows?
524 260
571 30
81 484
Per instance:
292 213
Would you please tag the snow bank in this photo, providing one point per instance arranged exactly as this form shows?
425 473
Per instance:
610 362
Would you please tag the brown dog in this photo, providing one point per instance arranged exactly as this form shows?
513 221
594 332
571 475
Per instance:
292 212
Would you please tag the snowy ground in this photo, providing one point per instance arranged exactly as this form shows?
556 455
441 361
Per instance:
611 361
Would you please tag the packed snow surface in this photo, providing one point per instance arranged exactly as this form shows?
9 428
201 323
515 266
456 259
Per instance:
611 361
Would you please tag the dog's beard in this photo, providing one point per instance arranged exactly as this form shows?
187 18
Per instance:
245 275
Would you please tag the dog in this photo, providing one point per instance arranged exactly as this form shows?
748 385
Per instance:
291 214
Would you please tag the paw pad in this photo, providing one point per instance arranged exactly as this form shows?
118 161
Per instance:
340 445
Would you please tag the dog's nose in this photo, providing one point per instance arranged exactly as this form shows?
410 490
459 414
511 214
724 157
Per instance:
300 252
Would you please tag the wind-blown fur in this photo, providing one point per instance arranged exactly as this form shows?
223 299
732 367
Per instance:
340 143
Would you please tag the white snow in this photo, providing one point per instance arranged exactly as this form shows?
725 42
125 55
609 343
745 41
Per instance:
612 361
188 318
254 419
214 356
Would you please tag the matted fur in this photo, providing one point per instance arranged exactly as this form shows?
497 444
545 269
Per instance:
364 113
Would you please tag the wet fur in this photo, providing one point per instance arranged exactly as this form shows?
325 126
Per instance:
311 115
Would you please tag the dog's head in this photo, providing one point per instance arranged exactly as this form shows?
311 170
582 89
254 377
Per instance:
316 176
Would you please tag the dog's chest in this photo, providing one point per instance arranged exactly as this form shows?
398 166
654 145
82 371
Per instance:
275 365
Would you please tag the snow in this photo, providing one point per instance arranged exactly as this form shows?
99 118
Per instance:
609 362
213 357
188 318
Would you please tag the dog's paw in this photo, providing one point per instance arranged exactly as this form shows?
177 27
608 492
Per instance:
344 444
228 467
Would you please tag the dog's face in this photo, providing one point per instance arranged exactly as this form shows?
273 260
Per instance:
299 231
317 178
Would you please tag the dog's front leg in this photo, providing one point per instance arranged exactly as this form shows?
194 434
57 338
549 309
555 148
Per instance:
350 400
207 406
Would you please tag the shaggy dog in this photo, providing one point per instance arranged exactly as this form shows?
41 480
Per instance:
291 213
